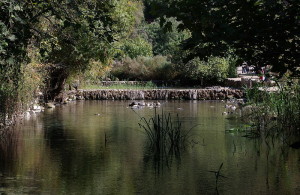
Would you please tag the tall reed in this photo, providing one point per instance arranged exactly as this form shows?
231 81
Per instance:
164 132
275 113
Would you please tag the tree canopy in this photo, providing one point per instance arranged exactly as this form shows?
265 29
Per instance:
260 31
64 34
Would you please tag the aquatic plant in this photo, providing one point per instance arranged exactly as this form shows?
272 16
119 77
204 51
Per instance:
218 174
274 113
164 132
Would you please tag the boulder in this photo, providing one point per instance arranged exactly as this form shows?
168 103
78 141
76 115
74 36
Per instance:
50 105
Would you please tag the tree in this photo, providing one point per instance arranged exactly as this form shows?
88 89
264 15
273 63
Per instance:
17 19
68 35
87 32
135 47
164 42
260 31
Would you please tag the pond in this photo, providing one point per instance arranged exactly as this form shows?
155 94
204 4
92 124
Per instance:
97 147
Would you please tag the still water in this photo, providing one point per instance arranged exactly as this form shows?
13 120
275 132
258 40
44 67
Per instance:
63 151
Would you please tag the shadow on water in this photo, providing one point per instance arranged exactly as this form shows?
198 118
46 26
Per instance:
77 163
9 151
166 139
72 151
161 160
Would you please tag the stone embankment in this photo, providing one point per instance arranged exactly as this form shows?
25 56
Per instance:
213 93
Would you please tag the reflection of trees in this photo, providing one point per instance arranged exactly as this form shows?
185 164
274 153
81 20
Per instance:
9 151
162 158
79 162
57 158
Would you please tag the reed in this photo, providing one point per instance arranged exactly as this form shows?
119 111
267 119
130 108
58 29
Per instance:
274 113
165 133
218 174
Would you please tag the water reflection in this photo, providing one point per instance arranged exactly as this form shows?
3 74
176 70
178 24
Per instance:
9 150
63 151
160 160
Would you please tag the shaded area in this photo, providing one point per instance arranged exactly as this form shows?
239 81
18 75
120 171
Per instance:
63 151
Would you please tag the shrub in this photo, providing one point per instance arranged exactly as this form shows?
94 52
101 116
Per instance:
165 42
275 113
135 47
159 68
212 71
143 68
129 69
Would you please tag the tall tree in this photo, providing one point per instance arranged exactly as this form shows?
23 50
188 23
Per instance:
260 31
67 34
17 19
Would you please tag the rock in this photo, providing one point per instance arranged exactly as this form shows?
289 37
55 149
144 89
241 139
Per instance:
49 105
141 104
133 104
150 104
36 107
27 115
227 106
39 93
135 107
31 112
211 93
37 110
241 101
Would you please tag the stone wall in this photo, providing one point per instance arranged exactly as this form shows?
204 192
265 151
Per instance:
138 83
219 93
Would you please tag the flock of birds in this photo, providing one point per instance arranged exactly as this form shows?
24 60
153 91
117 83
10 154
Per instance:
230 107
137 105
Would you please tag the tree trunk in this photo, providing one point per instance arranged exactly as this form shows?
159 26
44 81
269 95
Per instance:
55 85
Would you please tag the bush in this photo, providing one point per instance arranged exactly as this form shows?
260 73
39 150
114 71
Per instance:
159 68
144 68
212 71
275 113
165 42
135 47
129 69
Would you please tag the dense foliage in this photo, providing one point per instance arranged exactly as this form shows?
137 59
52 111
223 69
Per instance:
63 36
261 32
144 68
166 43
135 47
44 44
276 113
213 71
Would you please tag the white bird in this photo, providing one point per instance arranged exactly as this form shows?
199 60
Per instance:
233 108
